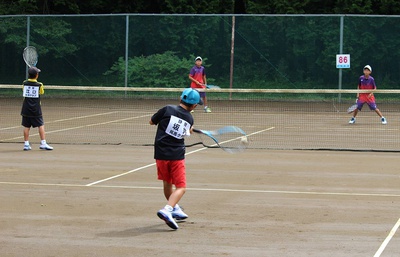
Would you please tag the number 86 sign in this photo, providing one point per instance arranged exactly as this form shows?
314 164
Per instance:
342 61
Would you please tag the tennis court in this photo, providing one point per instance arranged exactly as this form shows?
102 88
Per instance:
97 194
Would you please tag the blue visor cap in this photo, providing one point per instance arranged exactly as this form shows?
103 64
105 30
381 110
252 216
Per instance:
191 96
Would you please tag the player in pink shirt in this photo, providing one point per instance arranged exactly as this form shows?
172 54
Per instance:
367 82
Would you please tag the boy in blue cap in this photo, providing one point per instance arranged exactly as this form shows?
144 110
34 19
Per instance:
174 122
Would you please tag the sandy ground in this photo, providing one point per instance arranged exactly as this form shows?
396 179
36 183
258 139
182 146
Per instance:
88 200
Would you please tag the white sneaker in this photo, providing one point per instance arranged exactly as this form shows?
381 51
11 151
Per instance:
207 110
383 119
27 147
45 147
352 120
178 213
167 217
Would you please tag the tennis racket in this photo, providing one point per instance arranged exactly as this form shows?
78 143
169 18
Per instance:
30 56
212 87
231 139
352 108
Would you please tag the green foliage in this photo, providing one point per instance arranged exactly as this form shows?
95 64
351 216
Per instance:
158 70
196 7
281 51
54 31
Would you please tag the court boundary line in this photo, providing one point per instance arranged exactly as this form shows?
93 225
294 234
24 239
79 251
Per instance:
67 119
152 164
387 240
79 127
286 192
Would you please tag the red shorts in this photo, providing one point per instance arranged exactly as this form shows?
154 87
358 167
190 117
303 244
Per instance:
172 171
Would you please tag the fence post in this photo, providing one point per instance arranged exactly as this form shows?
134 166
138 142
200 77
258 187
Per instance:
341 52
126 51
28 39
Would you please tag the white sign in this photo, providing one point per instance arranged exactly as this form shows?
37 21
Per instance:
342 61
31 92
178 128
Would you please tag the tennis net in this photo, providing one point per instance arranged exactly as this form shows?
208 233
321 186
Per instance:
273 118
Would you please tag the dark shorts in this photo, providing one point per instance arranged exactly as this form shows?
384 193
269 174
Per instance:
34 122
202 94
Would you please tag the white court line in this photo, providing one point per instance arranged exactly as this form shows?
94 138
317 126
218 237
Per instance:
73 118
152 164
217 190
83 126
120 175
387 240
134 170
344 129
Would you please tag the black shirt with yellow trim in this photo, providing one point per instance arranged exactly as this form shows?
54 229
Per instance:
31 106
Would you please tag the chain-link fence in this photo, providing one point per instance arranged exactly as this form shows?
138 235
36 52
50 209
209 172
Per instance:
259 51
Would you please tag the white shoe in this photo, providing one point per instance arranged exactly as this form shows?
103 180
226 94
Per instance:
27 147
178 213
45 147
207 110
167 217
383 119
352 120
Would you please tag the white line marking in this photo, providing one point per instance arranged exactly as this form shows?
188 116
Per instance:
137 169
78 127
120 175
152 164
215 190
74 118
387 240
260 131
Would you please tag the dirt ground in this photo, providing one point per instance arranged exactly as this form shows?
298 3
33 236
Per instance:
101 200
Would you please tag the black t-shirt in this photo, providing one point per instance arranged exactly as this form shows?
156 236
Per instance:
174 122
31 105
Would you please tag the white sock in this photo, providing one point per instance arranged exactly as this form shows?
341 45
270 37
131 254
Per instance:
205 107
43 142
176 206
168 208
26 142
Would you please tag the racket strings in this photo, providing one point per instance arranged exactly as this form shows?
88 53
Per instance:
30 56
228 141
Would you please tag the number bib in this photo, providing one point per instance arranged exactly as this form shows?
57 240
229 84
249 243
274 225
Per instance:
31 92
178 128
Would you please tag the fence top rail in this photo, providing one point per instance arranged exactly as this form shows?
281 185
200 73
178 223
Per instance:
222 90
201 15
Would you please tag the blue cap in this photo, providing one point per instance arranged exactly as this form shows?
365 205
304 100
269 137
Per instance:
191 96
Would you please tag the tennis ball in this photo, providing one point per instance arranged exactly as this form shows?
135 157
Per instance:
243 140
